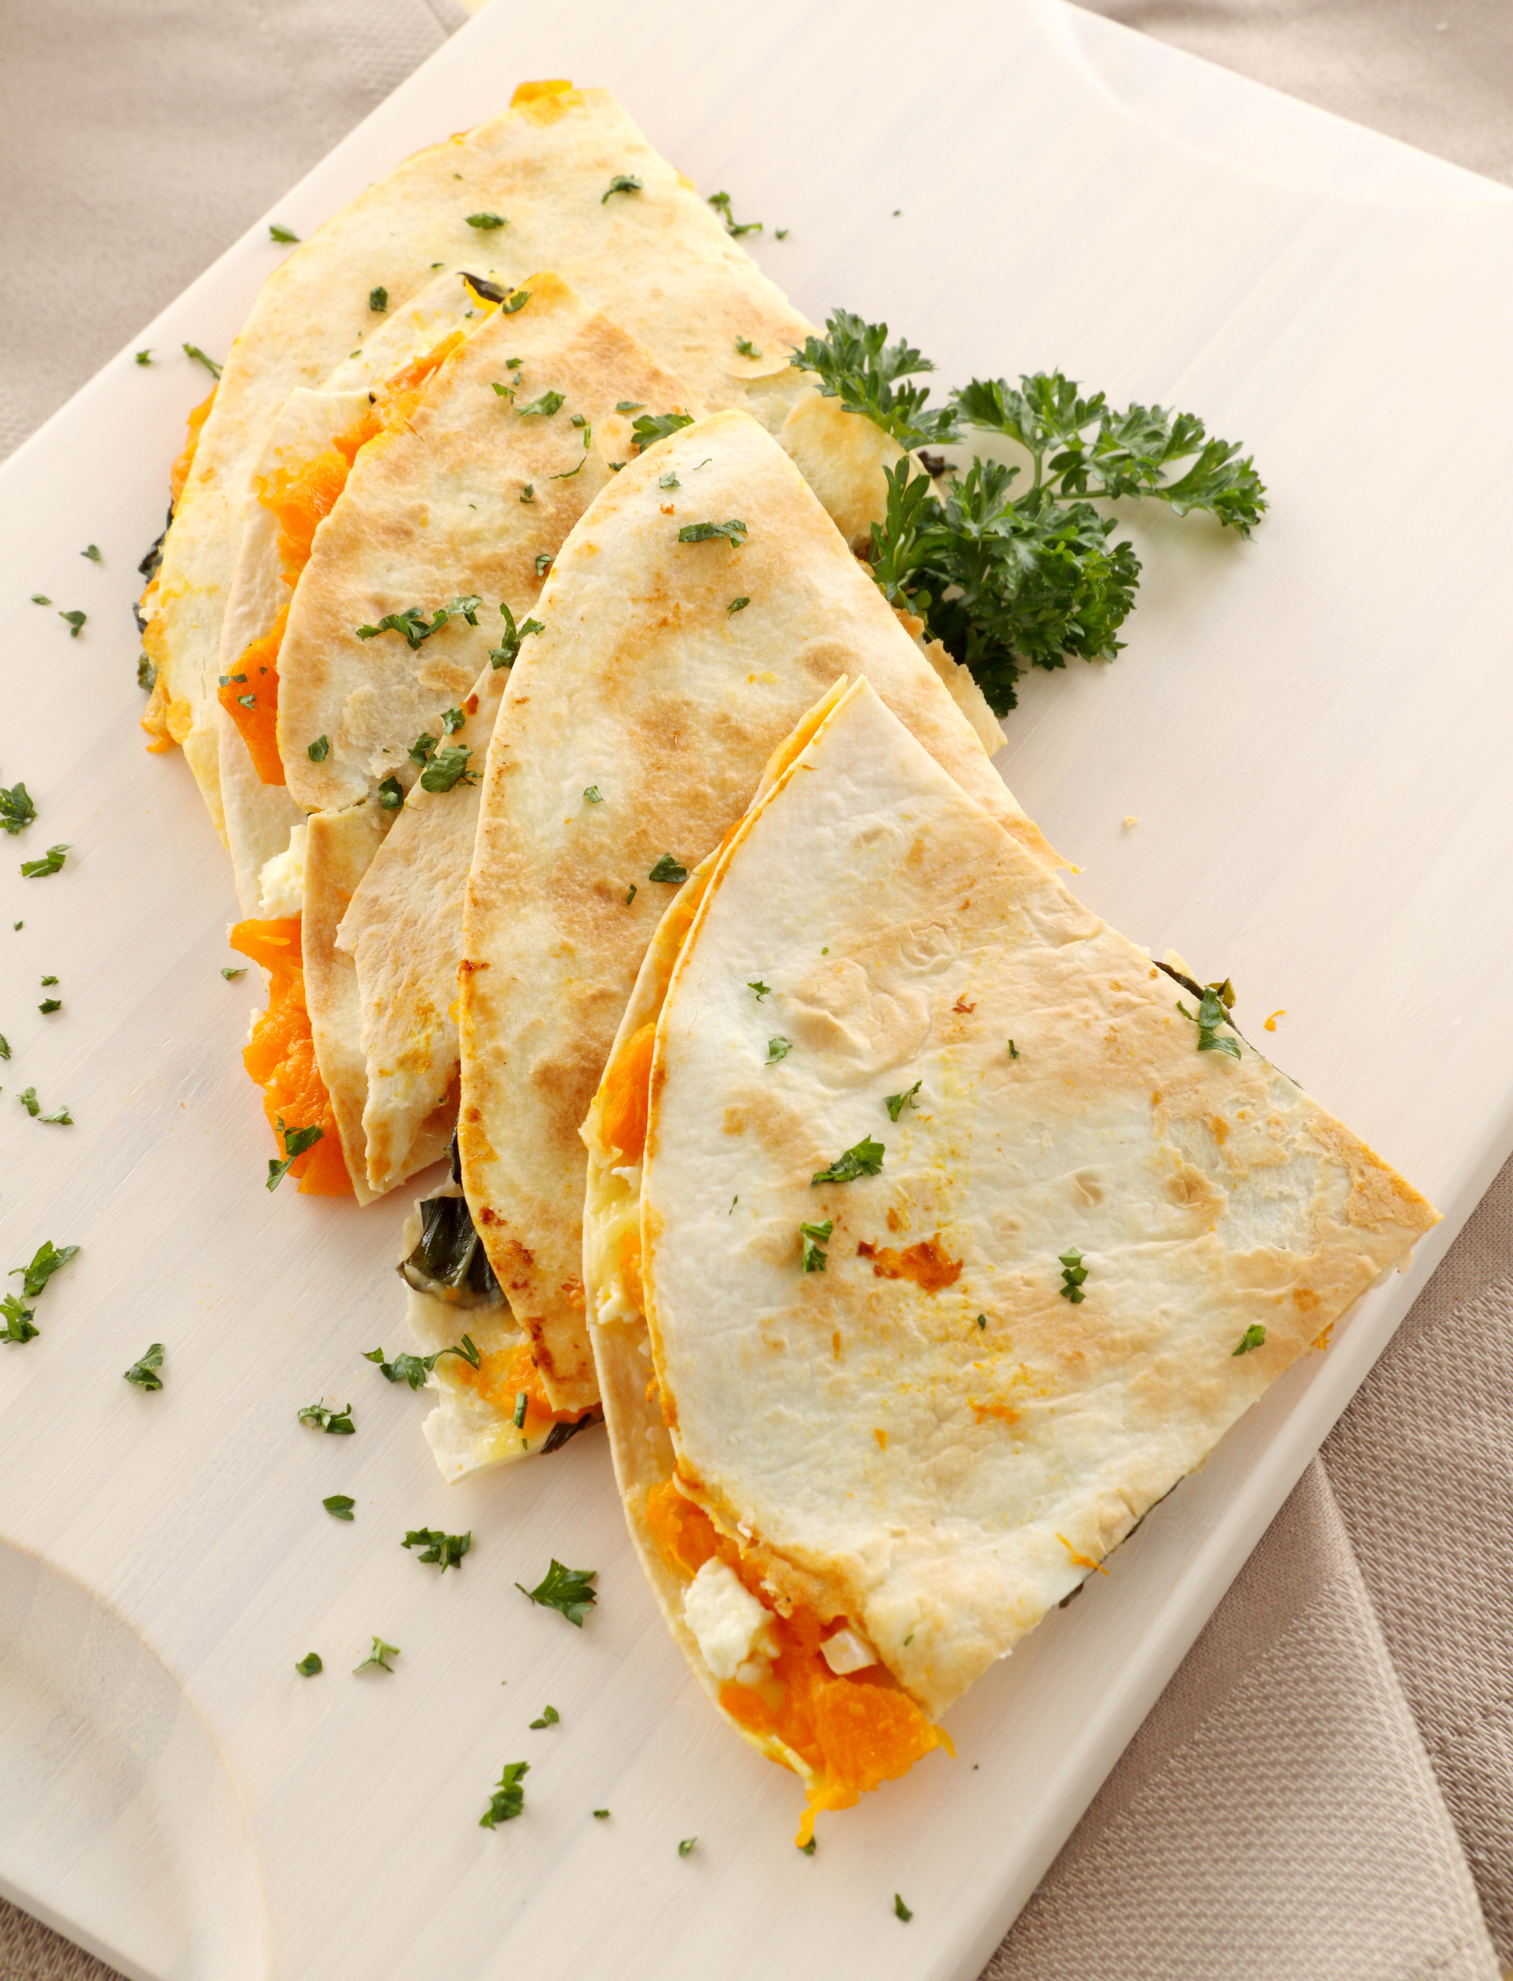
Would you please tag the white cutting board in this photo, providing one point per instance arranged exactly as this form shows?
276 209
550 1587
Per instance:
1316 733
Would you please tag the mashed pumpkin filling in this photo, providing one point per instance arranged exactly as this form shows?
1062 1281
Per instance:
280 1057
168 722
845 1732
503 1377
300 499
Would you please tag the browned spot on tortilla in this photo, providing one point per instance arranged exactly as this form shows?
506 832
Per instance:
962 1005
1304 1299
893 1220
1004 1411
1219 1128
737 1120
925 1263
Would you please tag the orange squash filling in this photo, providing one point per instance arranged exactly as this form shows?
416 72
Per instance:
851 1733
500 1379
168 722
281 1057
300 499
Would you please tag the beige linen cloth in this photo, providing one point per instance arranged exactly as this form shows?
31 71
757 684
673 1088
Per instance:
1325 1791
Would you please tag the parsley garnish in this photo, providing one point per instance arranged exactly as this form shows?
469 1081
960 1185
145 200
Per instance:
1253 1337
856 364
277 233
447 768
319 750
734 532
92 552
18 1320
528 492
50 1004
746 348
549 1717
412 622
46 1260
762 990
629 405
336 1423
548 404
144 1373
632 895
896 1103
413 1369
669 480
508 650
339 1506
508 1800
391 794
543 562
1013 1050
17 811
737 605
452 720
60 1116
309 1664
1073 1273
721 204
296 1142
194 351
231 975
600 1815
593 794
522 1401
778 1049
76 622
5 1047
569 1590
147 673
686 1846
38 598
144 357
504 392
900 1910
813 1237
486 222
668 869
652 427
807 1849
621 183
982 1320
1210 1016
378 300
511 306
446 1550
865 1159
380 1656
781 234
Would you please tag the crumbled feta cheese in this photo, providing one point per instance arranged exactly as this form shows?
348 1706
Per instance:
281 883
629 1174
848 1651
731 1626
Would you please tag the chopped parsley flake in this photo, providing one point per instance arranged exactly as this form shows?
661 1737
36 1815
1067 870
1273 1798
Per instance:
378 300
231 974
446 1550
737 605
413 1369
144 357
522 1402
412 622
5 1049
528 492
721 204
543 562
1013 1050
669 869
508 650
782 235
896 1103
762 990
734 532
194 351
629 405
511 306
76 622
17 811
813 1237
380 1656
686 1846
593 794
669 480
508 1799
808 1849
568 1590
1073 1273
39 598
1211 1014
296 1142
46 1260
652 427
144 1373
632 895
50 1004
50 863
900 1910
746 348
319 750
339 1506
336 1423
1253 1337
309 1664
449 767
600 1815
778 1049
864 1159
982 1320
281 234
621 183
486 222
549 1717
147 673
548 404
17 1321
92 552
391 795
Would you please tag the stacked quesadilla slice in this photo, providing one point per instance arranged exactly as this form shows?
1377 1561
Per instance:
933 1234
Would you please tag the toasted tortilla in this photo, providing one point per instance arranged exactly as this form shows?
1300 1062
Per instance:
656 259
664 676
934 1435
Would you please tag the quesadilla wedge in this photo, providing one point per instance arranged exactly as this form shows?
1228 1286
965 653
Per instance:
692 616
456 487
563 180
921 1272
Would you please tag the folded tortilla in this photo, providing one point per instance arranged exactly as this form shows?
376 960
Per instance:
635 731
928 1249
535 188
